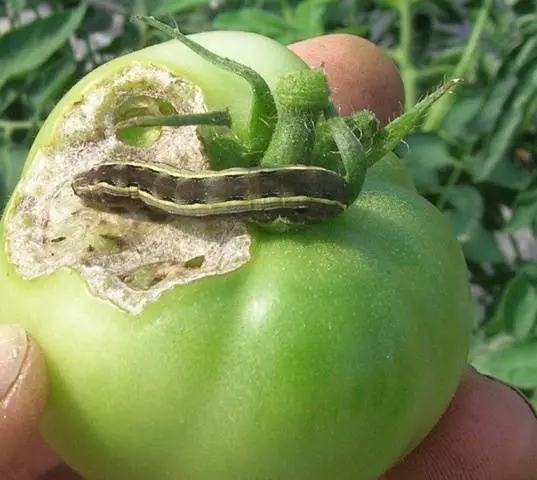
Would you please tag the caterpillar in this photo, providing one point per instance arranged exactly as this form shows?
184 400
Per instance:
292 193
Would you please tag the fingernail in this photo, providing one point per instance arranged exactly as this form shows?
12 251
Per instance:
13 345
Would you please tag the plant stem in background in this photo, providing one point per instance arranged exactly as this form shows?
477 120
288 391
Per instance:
404 55
440 110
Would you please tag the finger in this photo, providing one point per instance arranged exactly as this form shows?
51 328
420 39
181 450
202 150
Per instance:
23 389
32 461
62 473
361 76
489 432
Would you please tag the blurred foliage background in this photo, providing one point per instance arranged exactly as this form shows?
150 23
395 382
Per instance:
474 157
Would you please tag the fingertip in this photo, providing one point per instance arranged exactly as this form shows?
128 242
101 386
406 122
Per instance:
360 74
489 432
24 384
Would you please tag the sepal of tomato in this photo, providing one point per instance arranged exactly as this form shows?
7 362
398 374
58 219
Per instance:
330 354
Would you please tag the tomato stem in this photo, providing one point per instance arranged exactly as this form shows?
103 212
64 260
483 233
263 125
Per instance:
222 118
263 114
301 97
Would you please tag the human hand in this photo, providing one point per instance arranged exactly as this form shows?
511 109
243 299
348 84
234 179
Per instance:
23 393
488 432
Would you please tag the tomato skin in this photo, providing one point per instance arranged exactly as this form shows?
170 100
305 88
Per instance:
332 353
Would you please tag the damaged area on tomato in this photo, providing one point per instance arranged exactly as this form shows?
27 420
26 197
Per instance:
129 258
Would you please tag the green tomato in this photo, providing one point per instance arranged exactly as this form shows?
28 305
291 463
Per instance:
329 353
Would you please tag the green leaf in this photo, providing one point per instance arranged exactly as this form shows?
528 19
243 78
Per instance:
129 40
517 309
430 150
514 363
170 7
463 225
95 20
17 5
308 17
254 20
507 174
508 103
459 120
396 4
48 84
529 270
426 154
479 245
494 106
442 7
26 48
467 200
357 30
525 208
8 94
464 212
12 159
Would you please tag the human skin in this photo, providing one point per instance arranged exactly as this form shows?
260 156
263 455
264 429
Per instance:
488 431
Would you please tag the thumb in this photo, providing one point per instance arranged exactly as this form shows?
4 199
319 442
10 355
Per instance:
23 389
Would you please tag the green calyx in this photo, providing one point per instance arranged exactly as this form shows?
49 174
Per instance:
301 98
299 125
305 90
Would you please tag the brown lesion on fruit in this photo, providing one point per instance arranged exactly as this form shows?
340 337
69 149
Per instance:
148 276
129 258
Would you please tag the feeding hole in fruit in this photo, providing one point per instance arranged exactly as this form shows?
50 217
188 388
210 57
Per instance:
129 258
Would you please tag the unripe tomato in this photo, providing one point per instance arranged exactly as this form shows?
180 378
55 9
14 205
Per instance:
326 353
